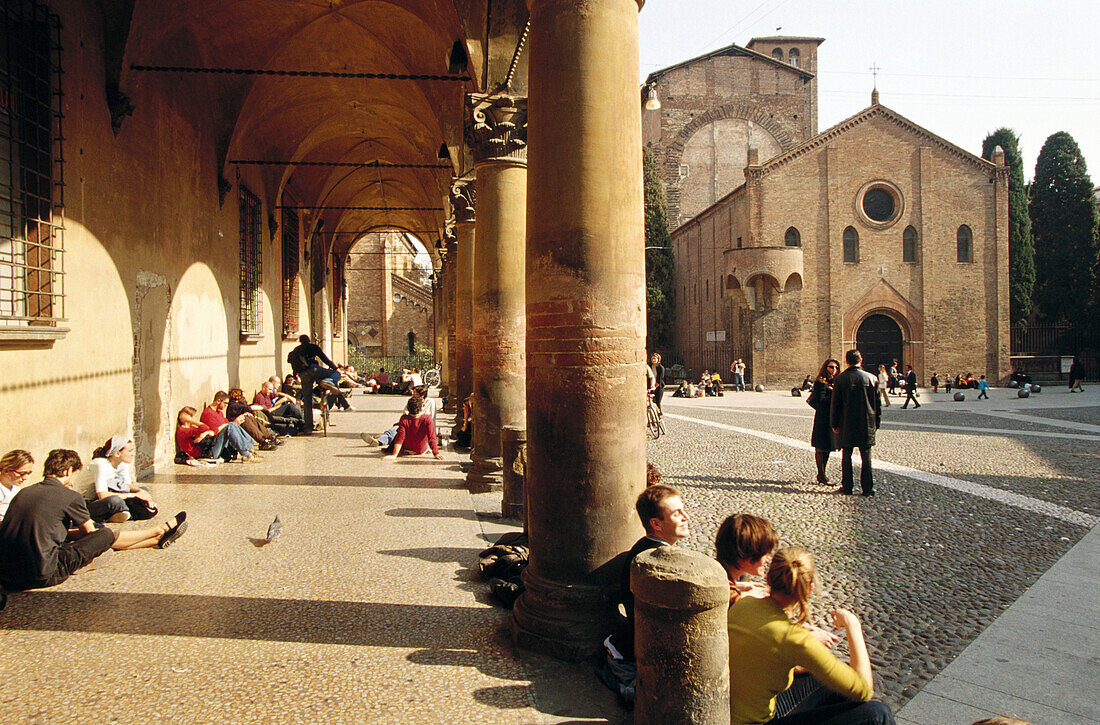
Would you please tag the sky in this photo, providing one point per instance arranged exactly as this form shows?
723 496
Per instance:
960 69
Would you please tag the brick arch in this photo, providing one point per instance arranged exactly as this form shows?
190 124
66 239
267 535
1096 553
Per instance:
741 110
883 299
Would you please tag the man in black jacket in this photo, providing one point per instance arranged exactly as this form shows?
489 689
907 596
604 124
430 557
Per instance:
305 360
855 416
910 387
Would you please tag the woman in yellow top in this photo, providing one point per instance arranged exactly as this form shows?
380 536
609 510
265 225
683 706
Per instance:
767 642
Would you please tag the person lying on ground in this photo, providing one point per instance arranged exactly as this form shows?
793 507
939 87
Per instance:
15 466
201 441
280 409
767 643
109 487
216 416
47 534
415 433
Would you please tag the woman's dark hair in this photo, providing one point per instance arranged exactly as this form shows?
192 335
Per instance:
743 538
60 460
236 394
652 475
823 373
414 406
15 459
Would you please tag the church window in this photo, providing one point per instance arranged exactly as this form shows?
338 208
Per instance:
909 245
777 54
251 266
31 181
792 238
879 204
739 242
964 239
851 245
793 57
708 291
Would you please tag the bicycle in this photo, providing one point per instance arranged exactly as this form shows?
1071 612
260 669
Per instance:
433 377
655 426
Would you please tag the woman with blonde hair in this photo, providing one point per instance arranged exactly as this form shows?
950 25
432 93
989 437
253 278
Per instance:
15 467
767 642
883 384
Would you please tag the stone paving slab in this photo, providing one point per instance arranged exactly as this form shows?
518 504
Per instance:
1039 661
366 610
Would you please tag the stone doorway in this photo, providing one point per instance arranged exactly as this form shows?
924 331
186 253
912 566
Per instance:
880 340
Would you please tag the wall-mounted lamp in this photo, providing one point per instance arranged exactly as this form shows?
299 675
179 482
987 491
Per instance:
651 101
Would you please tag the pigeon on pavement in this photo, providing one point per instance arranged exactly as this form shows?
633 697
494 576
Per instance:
275 529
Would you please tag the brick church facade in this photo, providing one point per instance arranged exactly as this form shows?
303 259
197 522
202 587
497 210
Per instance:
792 246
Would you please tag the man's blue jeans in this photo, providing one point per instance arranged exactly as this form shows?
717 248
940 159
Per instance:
739 382
236 438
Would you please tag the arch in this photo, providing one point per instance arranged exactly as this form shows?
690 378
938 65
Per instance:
851 245
674 152
794 57
880 339
964 244
792 238
883 299
909 244
411 336
777 53
793 283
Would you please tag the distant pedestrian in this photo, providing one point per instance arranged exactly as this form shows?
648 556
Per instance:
935 381
892 371
910 387
883 382
738 370
1076 376
855 416
822 437
983 388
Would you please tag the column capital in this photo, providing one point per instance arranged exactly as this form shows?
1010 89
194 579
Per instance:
498 126
463 200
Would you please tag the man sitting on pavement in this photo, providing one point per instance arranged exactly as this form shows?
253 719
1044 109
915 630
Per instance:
415 433
47 535
279 406
666 524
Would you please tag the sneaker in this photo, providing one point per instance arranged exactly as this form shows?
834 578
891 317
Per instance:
250 458
368 439
268 445
349 407
120 518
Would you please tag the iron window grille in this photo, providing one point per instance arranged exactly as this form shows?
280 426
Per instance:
291 267
32 215
251 269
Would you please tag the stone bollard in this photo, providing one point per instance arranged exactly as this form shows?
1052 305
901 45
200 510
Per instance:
513 445
680 603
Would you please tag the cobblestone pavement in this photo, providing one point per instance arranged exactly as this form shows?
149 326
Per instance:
963 519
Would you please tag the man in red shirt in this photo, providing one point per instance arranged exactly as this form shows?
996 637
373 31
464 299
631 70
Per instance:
415 433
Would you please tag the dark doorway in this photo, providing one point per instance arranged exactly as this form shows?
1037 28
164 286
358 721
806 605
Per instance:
879 339
412 342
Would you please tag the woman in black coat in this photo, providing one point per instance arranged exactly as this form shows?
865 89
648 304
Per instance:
822 437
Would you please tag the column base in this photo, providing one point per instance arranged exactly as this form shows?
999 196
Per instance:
565 621
485 474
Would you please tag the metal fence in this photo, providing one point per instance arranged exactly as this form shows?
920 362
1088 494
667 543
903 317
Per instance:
365 362
1040 347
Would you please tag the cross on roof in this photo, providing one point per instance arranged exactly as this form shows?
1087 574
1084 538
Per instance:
874 72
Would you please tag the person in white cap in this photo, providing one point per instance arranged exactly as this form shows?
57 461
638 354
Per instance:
110 486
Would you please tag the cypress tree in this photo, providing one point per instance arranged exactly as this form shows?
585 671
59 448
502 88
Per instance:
1063 222
658 257
1021 248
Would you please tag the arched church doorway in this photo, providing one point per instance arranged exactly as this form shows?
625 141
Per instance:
880 339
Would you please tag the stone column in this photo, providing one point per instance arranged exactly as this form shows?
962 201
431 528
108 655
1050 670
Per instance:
449 293
439 317
462 201
585 320
680 639
498 137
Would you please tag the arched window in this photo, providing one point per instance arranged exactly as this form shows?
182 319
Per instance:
412 342
792 238
964 239
909 245
851 245
793 57
777 54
